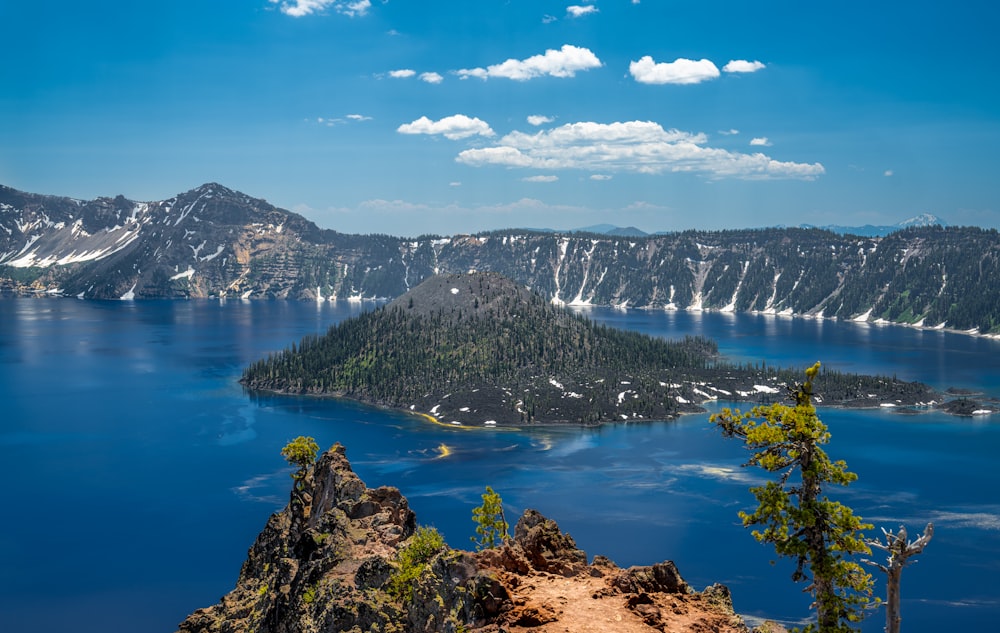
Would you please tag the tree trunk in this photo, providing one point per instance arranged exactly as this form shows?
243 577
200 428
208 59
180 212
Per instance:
892 616
900 551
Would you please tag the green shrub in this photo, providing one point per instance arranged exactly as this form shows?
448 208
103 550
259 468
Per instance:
413 560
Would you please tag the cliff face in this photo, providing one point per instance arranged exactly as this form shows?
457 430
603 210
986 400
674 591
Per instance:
329 562
215 242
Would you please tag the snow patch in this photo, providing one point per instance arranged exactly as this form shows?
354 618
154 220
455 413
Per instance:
130 295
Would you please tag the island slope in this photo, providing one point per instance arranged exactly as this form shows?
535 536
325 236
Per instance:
477 349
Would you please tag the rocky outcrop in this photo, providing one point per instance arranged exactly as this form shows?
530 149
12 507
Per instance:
330 561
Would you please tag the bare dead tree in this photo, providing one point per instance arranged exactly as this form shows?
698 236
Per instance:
899 552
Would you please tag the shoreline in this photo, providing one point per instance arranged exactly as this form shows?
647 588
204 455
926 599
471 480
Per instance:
7 293
897 409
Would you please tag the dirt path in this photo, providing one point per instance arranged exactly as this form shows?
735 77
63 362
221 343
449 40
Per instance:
547 603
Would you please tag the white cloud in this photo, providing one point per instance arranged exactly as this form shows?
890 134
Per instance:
642 205
742 66
300 8
632 146
729 132
431 78
679 71
454 183
540 179
337 121
354 8
548 19
538 119
888 172
761 141
402 73
601 176
576 10
454 127
565 62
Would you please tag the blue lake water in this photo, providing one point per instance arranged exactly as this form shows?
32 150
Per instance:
136 471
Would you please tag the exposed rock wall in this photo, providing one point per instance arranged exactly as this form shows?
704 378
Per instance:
215 242
325 564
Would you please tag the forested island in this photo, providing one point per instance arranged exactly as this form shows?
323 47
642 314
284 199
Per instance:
478 349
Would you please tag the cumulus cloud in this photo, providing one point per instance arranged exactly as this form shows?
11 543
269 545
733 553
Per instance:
453 127
300 8
576 10
540 178
402 73
742 66
358 117
679 71
431 78
632 146
601 176
565 62
729 132
761 141
538 119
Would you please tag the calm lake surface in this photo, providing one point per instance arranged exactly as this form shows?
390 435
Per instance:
136 472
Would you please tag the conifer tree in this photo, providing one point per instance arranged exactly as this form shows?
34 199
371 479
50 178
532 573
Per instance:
491 526
300 452
793 512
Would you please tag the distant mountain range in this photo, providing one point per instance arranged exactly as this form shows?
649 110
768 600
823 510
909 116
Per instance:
868 230
871 230
216 242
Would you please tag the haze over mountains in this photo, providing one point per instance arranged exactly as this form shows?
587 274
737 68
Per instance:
216 242
868 230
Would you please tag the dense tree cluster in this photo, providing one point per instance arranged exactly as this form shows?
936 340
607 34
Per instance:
399 354
481 340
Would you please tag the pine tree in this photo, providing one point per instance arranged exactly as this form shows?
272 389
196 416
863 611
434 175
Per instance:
794 513
491 526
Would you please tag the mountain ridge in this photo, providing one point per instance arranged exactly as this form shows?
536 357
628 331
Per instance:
216 242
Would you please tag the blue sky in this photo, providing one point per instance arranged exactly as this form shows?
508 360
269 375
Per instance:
406 117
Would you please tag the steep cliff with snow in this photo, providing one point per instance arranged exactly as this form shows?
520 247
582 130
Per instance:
214 242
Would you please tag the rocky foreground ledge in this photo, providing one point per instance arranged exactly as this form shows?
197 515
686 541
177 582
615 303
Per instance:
325 564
